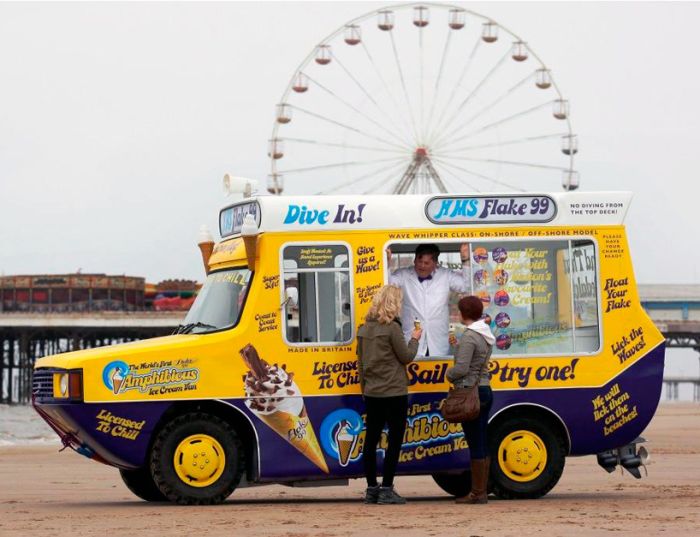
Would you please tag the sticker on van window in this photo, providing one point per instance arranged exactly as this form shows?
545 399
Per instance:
490 209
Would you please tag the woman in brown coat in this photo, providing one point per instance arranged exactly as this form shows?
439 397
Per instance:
382 356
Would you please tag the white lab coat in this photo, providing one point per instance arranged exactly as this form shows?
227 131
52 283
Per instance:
428 301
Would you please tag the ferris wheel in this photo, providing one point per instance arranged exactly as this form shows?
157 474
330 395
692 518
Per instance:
420 98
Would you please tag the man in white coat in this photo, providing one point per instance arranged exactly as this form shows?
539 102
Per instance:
426 288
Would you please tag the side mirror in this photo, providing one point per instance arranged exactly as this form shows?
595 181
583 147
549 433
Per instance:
291 297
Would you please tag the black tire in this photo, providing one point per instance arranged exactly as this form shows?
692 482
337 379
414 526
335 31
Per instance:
141 483
165 475
455 484
544 480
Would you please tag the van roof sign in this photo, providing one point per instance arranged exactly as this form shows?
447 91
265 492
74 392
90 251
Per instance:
377 211
491 209
231 218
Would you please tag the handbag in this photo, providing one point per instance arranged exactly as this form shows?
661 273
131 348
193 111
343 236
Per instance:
462 404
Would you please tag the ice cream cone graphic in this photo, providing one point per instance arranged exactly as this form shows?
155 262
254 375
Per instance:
117 380
273 396
346 442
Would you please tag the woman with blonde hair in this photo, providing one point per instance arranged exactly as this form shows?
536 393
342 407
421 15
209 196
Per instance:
382 355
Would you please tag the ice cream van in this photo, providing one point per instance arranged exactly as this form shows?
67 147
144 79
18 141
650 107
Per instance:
260 383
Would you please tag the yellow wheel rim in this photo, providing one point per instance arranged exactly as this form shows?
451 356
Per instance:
522 456
199 460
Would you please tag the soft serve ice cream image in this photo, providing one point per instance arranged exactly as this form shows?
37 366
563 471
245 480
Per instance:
117 379
346 441
274 397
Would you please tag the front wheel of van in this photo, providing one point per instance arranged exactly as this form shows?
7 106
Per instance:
197 459
454 484
527 458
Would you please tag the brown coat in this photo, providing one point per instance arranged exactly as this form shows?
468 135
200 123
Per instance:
382 355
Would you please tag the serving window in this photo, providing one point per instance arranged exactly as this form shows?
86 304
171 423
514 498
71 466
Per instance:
540 297
318 307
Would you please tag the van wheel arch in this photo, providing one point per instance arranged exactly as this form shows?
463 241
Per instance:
537 412
232 415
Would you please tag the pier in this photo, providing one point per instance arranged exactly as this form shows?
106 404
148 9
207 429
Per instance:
25 337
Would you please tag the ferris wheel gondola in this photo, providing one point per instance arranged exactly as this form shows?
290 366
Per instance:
421 98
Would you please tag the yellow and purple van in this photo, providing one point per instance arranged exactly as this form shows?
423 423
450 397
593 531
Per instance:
260 383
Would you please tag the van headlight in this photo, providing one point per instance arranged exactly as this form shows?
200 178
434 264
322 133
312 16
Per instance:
63 384
68 385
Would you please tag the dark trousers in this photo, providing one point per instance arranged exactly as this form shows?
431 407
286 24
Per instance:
475 431
382 411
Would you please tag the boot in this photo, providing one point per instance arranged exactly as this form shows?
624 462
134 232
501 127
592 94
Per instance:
372 494
480 478
387 495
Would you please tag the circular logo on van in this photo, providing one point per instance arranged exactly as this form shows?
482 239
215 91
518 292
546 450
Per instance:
340 432
113 375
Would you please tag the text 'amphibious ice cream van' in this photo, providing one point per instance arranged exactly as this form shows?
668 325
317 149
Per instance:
260 384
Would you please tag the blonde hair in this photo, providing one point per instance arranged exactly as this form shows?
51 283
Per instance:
386 304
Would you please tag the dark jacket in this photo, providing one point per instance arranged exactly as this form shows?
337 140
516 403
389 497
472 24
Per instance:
382 355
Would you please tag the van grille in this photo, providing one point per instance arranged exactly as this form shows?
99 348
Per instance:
42 384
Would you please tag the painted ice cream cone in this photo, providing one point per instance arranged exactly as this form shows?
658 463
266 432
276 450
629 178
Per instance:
273 396
298 431
346 442
117 380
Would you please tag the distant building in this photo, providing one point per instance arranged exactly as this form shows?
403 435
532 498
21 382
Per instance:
171 295
64 293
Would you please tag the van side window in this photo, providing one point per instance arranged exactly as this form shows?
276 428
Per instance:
319 277
541 296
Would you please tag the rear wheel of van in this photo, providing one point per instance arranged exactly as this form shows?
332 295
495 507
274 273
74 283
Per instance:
454 484
197 459
527 458
141 483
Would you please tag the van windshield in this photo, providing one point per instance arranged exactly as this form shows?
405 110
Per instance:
219 302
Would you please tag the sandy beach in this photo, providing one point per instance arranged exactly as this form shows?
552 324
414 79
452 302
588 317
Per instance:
46 492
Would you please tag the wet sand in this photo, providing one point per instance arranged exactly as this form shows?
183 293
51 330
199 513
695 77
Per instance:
45 492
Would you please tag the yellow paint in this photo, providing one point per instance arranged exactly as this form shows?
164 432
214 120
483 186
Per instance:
220 368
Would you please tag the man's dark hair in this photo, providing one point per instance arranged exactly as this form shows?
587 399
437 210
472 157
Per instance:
471 307
428 249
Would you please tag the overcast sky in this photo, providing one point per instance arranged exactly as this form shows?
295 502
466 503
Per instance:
118 121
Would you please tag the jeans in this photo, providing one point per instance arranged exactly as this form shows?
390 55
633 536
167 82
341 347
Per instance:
381 411
475 431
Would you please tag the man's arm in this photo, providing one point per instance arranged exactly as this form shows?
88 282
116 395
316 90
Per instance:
395 278
461 282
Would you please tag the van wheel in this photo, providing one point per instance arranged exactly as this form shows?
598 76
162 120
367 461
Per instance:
141 483
197 459
527 458
454 484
